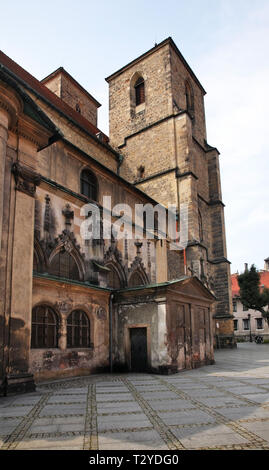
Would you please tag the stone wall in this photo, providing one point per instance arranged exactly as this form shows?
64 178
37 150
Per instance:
63 298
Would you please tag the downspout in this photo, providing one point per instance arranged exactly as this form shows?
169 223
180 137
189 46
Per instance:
111 332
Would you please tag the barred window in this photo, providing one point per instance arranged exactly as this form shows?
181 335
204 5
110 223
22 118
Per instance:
44 328
78 330
259 323
139 91
88 185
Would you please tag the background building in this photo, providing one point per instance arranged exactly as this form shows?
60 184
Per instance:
246 321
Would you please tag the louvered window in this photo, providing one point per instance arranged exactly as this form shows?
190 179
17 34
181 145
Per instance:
139 91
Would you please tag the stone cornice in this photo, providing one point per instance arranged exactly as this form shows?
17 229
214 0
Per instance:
11 104
26 179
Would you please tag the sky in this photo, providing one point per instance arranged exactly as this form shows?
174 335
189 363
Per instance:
225 42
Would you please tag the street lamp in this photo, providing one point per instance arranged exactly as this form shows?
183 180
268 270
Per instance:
250 337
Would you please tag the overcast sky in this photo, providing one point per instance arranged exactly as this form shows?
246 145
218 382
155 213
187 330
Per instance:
225 42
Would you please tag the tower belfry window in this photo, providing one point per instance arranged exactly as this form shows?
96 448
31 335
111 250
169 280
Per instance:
139 91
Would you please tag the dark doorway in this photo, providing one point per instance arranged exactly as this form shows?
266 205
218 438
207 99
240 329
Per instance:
139 361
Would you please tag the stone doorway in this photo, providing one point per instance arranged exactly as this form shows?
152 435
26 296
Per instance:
139 353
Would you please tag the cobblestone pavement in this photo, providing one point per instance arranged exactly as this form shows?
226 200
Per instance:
224 406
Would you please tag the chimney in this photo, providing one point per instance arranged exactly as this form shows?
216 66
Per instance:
246 267
266 264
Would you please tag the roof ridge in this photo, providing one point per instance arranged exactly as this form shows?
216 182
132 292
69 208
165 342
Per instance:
45 93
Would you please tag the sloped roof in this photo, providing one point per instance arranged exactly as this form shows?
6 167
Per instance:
44 93
264 282
182 281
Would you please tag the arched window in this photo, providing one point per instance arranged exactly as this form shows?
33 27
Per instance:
136 280
113 280
78 330
88 185
64 265
44 327
189 98
139 87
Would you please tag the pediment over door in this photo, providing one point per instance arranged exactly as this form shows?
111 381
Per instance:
191 287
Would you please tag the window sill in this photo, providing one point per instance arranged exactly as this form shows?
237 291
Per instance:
140 108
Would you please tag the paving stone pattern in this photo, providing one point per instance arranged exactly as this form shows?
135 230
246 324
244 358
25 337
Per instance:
224 406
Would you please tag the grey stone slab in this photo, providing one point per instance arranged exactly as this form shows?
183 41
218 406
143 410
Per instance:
142 440
62 410
187 387
118 407
212 436
220 401
151 388
72 390
260 428
49 442
256 381
114 397
205 393
67 399
71 427
106 390
38 429
16 411
259 397
244 412
245 390
123 422
26 400
180 418
6 401
176 404
7 426
158 395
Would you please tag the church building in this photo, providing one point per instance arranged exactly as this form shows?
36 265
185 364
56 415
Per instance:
76 305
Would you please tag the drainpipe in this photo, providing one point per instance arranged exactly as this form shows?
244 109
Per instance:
111 332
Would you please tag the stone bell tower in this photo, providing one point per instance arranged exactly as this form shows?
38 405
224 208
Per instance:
157 122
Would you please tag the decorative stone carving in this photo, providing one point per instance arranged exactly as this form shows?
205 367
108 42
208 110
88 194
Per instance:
63 306
69 216
101 313
26 179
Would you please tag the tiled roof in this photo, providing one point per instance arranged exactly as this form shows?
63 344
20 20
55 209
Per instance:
264 281
48 95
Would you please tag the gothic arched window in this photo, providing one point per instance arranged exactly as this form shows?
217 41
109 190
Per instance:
88 185
78 330
189 98
113 279
64 265
136 280
139 87
44 327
